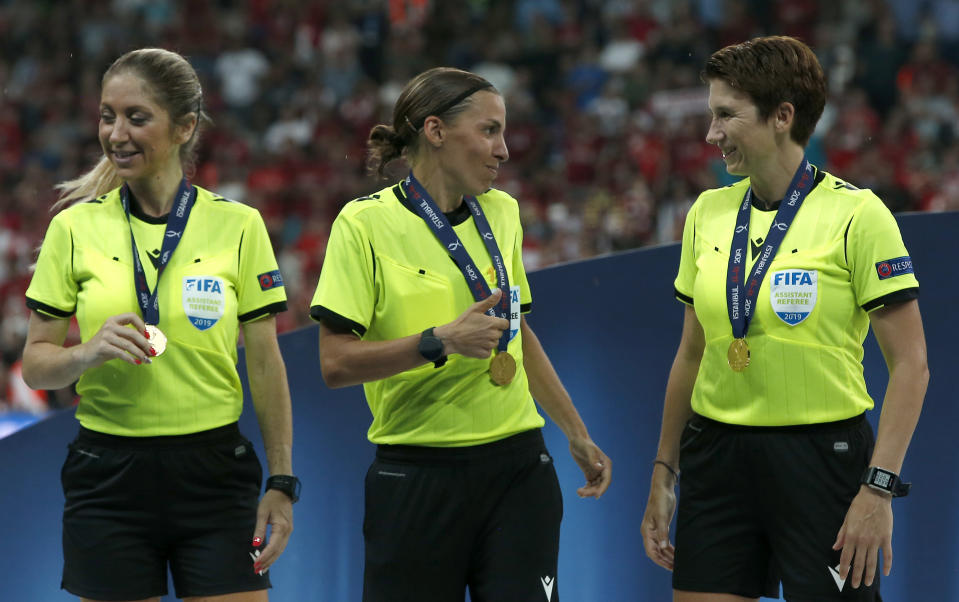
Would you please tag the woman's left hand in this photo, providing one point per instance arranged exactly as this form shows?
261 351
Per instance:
275 510
596 465
866 529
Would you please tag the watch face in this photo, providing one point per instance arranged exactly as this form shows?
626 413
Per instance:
882 479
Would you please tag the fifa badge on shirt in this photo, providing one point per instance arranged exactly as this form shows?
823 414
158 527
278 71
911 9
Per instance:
204 300
792 294
513 311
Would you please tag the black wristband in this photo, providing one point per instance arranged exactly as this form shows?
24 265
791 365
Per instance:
286 483
431 348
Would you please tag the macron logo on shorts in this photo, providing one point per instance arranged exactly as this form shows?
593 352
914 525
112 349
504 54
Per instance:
897 266
548 583
835 577
255 555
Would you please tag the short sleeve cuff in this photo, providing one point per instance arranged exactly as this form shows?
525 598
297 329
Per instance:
49 310
335 321
900 296
682 297
272 308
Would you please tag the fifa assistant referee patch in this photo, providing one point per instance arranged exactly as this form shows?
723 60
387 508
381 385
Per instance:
793 293
897 266
203 300
270 280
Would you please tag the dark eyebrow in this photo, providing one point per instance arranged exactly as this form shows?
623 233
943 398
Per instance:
133 108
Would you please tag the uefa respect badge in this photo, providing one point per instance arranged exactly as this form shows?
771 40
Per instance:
897 266
792 294
203 300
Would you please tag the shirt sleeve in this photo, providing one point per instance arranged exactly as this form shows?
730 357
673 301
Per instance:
881 267
686 278
259 290
53 288
345 295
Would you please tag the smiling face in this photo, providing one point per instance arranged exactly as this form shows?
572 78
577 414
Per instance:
474 145
746 140
136 133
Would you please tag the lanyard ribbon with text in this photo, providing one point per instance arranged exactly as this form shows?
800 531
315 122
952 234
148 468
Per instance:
176 224
426 208
741 293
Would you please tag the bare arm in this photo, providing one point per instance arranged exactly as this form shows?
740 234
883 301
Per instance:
346 360
676 412
271 401
270 392
549 392
868 523
679 390
47 364
898 330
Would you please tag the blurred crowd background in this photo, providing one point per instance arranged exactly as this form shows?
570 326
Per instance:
606 115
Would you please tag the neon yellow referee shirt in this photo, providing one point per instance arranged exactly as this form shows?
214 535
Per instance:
842 257
222 273
386 276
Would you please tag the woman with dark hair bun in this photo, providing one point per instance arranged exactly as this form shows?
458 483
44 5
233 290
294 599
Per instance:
162 275
420 300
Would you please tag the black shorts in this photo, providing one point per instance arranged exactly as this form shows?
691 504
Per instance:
135 505
439 520
760 505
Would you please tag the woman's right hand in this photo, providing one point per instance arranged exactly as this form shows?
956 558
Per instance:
659 513
474 333
116 340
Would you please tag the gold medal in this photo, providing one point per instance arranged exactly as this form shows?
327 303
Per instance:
157 339
502 368
738 355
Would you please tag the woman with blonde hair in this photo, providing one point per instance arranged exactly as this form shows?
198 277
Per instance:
161 276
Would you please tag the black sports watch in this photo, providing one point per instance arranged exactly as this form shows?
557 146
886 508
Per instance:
885 480
431 348
286 483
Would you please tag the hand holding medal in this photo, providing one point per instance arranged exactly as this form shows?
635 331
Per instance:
147 299
157 339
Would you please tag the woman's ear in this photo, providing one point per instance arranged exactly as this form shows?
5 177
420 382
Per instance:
184 131
434 131
785 115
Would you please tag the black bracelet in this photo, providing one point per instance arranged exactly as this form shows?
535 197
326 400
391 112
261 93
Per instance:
671 470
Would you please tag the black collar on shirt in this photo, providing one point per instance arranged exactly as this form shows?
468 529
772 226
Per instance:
456 216
137 212
820 175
